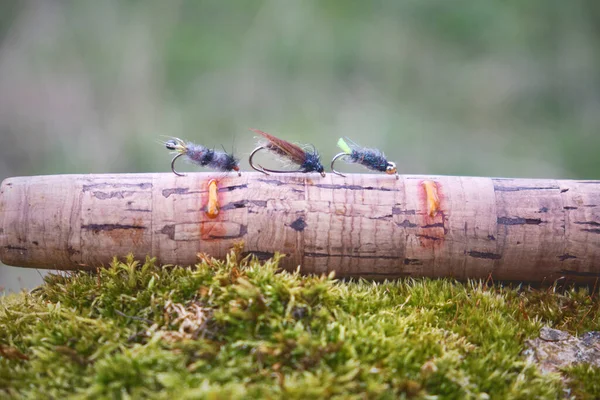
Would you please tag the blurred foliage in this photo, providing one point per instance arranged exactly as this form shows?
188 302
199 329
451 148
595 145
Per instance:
499 88
480 88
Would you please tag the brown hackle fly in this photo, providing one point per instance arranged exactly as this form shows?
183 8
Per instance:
308 160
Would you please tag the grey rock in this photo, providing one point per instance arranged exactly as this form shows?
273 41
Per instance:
556 349
553 335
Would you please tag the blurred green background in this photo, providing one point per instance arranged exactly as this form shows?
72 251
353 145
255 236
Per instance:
490 88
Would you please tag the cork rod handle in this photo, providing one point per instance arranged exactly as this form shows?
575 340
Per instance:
365 225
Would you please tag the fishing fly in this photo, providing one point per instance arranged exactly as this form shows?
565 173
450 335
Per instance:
371 158
200 155
308 160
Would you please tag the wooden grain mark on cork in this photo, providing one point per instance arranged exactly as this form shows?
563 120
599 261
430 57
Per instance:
349 256
97 228
231 188
498 188
484 255
15 248
220 231
352 187
119 233
578 273
591 223
518 221
141 185
180 191
207 231
234 205
113 195
566 256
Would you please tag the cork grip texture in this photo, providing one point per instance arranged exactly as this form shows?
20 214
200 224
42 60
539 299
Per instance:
366 225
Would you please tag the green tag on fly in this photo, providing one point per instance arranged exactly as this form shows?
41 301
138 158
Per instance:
344 146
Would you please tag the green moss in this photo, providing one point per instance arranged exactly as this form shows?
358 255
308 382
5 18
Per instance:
238 328
584 381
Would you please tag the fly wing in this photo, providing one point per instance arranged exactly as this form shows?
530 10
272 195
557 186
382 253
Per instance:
294 152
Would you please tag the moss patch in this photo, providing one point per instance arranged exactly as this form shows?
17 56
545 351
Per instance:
584 382
238 328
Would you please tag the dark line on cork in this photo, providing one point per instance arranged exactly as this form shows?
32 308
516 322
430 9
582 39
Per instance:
407 224
485 255
143 185
138 210
243 232
234 205
577 273
232 188
9 247
436 225
518 221
591 230
412 261
259 203
566 256
109 227
322 255
168 192
428 237
564 190
592 223
522 188
569 208
383 217
352 187
112 195
399 211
